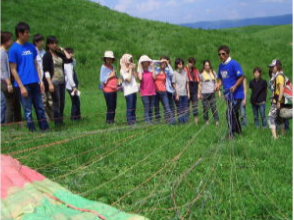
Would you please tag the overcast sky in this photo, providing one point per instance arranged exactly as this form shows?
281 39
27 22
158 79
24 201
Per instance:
185 11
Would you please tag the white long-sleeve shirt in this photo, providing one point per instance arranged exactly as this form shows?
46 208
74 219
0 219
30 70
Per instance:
69 74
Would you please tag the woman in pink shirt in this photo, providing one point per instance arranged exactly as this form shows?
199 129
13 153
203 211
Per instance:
109 85
146 75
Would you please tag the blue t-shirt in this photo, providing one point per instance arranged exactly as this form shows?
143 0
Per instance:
229 74
24 57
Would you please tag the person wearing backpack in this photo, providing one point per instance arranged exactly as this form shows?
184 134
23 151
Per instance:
277 83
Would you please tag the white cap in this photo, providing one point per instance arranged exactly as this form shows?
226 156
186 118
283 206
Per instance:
145 58
109 54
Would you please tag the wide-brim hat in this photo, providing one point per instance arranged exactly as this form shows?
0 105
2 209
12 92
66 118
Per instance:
145 58
109 54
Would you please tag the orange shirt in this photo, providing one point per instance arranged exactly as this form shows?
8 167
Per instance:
111 84
160 82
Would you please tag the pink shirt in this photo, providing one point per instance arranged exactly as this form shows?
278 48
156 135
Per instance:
147 87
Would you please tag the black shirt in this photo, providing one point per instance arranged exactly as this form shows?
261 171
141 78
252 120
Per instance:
259 90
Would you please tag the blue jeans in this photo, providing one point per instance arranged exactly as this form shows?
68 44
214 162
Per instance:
183 109
110 99
163 98
34 98
58 98
171 102
148 102
131 101
259 110
243 115
3 108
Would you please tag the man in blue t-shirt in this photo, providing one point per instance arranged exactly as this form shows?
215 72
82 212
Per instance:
231 77
25 70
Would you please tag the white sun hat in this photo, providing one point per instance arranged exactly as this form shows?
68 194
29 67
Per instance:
109 54
145 58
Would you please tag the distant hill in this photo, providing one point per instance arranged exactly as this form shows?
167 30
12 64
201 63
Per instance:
274 20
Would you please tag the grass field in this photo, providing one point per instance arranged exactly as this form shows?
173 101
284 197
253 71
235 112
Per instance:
159 171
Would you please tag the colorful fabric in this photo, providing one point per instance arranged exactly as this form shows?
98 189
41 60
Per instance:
147 87
28 195
160 82
109 85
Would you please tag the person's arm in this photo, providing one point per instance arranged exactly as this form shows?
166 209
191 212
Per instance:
175 87
245 92
23 89
188 90
153 71
171 71
40 75
281 92
68 70
5 72
199 90
237 84
67 55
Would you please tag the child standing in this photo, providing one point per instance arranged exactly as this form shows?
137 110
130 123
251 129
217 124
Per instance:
194 79
109 83
130 86
182 91
72 83
258 97
147 86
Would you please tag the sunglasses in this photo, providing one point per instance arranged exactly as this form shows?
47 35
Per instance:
222 54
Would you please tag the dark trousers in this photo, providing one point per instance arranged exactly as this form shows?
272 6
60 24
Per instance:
75 106
58 97
259 110
194 103
183 109
34 98
13 107
171 102
232 114
209 102
148 102
110 99
131 101
163 98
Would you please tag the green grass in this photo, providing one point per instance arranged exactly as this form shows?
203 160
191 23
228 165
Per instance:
162 171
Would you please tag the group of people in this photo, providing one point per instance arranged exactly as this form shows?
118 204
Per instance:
36 78
39 78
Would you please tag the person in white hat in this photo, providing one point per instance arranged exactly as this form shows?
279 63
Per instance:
130 86
278 82
109 85
146 75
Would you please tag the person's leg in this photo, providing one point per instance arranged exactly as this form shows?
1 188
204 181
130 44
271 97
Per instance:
255 110
62 102
56 104
180 109
27 103
167 111
262 114
9 100
171 102
17 115
156 106
235 119
129 103
243 115
151 106
109 98
145 100
186 109
229 118
205 103
114 95
3 108
212 105
39 107
194 100
134 106
45 103
273 112
49 108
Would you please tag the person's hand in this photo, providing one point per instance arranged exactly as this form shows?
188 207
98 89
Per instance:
112 74
244 102
51 88
10 88
278 105
216 88
42 88
177 97
232 89
23 92
188 96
